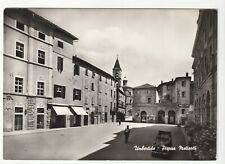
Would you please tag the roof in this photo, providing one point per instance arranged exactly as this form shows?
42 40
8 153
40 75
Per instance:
144 86
30 14
117 65
173 81
85 64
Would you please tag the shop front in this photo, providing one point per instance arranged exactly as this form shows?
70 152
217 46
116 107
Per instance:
80 116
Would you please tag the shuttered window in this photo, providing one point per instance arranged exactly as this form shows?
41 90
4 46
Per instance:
59 91
76 94
60 64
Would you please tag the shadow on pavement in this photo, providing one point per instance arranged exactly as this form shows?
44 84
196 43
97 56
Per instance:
145 136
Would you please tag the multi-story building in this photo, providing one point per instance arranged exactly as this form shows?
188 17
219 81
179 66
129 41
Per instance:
28 70
120 95
176 93
97 89
205 68
144 99
45 85
129 100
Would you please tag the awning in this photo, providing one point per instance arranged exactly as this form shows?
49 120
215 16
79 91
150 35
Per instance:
62 110
121 110
79 110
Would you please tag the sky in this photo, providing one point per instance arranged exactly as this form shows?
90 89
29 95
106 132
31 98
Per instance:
151 44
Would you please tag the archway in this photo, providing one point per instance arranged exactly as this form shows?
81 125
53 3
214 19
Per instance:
171 117
161 116
208 108
143 116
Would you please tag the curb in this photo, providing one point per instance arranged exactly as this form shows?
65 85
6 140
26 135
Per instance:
15 133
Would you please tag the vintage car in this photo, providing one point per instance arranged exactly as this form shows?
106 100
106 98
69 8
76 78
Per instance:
163 145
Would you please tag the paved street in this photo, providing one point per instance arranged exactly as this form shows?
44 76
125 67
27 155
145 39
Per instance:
100 142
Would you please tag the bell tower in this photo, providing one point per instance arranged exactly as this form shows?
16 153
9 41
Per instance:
117 72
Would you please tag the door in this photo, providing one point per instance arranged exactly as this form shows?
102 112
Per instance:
143 116
18 122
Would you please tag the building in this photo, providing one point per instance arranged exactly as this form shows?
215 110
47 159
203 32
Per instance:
97 89
120 95
128 91
45 85
28 69
205 68
176 93
144 99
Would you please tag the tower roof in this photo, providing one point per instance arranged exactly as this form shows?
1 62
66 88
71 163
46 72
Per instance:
117 65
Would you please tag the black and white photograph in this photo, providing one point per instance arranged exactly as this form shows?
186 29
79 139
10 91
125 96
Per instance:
110 84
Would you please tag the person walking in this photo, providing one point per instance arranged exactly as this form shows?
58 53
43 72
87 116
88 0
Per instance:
126 134
119 122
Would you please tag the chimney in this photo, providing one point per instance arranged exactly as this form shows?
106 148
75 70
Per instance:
172 79
186 74
161 81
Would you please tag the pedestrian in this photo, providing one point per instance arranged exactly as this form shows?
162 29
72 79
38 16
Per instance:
119 122
126 134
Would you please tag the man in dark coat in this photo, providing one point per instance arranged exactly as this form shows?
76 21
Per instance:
126 134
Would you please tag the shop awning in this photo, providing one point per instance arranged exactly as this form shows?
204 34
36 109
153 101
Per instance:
121 110
79 110
62 110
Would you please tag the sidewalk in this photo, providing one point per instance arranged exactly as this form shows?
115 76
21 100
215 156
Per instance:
21 132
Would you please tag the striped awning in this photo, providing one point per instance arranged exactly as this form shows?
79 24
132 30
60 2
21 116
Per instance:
79 110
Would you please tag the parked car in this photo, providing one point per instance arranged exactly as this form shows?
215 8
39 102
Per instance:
163 139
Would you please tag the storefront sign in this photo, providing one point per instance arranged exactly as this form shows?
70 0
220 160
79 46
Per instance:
30 112
183 105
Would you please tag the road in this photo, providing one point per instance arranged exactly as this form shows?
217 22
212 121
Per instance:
98 142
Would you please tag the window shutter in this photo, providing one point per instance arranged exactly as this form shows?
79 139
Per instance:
73 94
79 94
63 91
55 89
61 64
58 63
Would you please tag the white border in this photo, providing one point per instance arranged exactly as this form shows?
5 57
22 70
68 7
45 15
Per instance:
217 4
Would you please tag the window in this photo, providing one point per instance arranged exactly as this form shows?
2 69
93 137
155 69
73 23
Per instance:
93 74
110 105
76 69
106 80
76 94
60 44
111 82
41 57
92 86
100 77
18 119
40 118
183 83
59 91
86 72
111 93
183 94
60 64
20 25
149 100
114 94
41 35
20 50
18 85
40 88
86 100
183 111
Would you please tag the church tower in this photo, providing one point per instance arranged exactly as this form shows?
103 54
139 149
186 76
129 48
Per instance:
117 72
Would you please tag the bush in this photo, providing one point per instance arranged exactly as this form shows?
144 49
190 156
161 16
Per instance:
204 137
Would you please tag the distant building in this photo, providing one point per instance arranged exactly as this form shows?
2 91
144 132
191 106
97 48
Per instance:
205 68
178 94
129 100
144 99
120 95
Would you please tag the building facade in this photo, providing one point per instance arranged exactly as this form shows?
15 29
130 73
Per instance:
178 94
144 99
45 85
120 95
205 68
128 91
